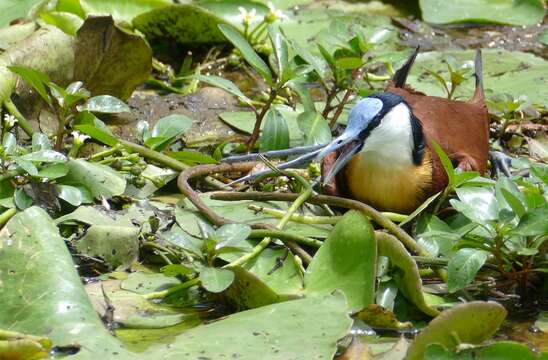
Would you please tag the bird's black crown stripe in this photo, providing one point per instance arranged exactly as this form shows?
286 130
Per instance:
389 101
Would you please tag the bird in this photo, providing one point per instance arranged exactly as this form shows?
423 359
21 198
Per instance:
385 156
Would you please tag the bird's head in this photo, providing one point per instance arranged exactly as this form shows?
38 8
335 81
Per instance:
378 121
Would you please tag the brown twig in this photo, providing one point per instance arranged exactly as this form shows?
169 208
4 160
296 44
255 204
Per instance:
340 107
193 197
259 120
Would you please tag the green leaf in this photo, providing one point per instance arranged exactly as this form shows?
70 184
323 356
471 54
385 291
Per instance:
514 203
248 291
247 52
224 84
463 267
447 165
101 180
105 104
268 332
508 12
65 21
118 246
315 128
347 261
407 277
281 52
533 223
53 171
184 23
40 141
34 78
97 134
121 10
48 156
175 270
26 165
64 311
349 63
167 129
231 235
470 323
21 199
216 280
192 157
275 135
73 195
478 204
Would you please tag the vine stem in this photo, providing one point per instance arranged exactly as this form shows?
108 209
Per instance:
376 216
340 108
6 216
162 294
193 197
21 120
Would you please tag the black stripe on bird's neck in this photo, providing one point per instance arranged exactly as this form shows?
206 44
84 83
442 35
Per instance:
418 138
390 101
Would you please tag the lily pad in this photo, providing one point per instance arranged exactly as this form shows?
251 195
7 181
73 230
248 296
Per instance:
299 330
511 72
470 323
118 246
186 24
121 10
41 291
508 12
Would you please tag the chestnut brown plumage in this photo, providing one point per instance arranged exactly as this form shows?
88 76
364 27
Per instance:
371 175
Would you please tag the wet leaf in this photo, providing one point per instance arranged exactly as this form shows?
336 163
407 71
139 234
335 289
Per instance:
407 277
269 332
347 261
65 21
247 52
508 12
105 104
229 10
144 283
110 60
64 311
511 72
463 267
378 317
446 162
97 134
185 23
40 141
101 180
248 291
34 78
48 156
478 204
281 52
224 84
275 135
533 222
231 235
215 280
74 195
121 10
118 246
471 323
167 129
53 171
502 350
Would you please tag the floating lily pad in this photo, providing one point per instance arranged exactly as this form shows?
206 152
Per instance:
512 72
121 10
509 12
186 24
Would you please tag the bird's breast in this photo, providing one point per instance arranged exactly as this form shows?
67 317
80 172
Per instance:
387 184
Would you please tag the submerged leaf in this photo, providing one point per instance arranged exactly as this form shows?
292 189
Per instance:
470 323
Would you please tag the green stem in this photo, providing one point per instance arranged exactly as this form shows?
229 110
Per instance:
11 174
103 154
167 161
301 199
6 216
374 77
285 236
21 120
303 219
162 294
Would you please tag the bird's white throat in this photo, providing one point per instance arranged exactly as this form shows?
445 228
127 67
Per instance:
391 142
